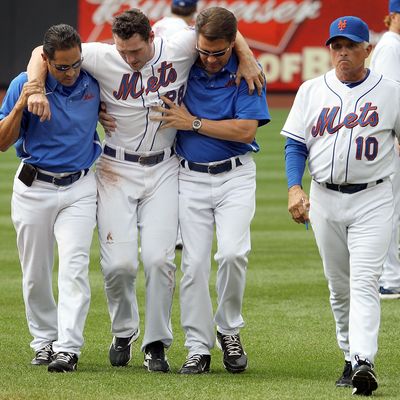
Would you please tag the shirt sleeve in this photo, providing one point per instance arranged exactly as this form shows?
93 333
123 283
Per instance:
183 43
296 154
90 55
386 62
294 126
11 98
253 106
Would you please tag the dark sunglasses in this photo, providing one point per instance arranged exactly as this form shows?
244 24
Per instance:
64 68
210 54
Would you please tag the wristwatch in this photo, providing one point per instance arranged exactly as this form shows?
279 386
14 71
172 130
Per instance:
196 124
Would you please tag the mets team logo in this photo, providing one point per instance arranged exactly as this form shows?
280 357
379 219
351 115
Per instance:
131 84
342 24
326 120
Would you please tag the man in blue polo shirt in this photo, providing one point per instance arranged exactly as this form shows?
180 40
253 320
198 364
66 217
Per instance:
54 196
217 185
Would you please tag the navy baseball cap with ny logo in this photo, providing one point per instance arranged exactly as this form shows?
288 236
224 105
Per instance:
352 28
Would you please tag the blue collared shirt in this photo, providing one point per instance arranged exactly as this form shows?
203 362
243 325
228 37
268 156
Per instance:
216 97
69 141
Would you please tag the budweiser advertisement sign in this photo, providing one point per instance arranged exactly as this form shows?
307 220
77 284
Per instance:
287 36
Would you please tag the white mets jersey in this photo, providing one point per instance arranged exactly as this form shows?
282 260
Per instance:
349 132
386 56
168 26
130 95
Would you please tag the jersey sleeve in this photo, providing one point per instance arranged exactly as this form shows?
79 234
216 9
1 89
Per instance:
386 62
294 127
91 53
183 43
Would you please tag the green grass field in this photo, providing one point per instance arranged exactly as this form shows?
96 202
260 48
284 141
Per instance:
289 334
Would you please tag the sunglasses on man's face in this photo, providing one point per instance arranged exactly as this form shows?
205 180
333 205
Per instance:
210 54
64 68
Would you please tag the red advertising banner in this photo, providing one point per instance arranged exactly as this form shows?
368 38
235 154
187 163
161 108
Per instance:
287 36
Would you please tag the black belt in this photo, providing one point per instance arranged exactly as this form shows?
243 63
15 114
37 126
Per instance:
212 169
351 187
63 181
142 160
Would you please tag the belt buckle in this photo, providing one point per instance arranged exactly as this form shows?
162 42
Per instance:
142 160
210 169
53 181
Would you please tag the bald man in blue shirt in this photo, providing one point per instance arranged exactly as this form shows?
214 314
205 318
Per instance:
54 196
215 141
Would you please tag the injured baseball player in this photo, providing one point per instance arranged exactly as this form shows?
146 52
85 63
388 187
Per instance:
137 178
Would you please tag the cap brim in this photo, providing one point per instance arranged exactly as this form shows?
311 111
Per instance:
353 38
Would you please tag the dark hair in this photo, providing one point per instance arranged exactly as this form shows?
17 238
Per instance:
60 37
216 23
183 11
131 22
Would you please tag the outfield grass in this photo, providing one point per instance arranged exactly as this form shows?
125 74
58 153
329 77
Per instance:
289 334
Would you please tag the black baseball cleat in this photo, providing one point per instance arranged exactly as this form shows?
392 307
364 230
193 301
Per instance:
154 357
235 358
364 378
345 379
196 364
43 356
120 352
63 362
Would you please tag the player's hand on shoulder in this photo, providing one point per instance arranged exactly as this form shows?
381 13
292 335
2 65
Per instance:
108 121
37 102
298 204
251 72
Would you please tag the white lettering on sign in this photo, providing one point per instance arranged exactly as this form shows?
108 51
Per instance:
312 62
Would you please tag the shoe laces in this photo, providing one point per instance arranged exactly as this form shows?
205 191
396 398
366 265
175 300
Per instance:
361 361
45 352
232 345
192 361
65 357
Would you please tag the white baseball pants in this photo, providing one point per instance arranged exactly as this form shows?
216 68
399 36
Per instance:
226 201
132 200
352 232
390 278
45 215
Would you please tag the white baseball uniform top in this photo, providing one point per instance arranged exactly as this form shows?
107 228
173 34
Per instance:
168 26
385 58
129 95
349 137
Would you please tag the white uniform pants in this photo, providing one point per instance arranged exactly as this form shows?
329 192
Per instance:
390 278
353 233
226 200
133 198
43 215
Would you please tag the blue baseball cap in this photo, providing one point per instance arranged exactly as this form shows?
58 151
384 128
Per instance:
352 28
184 3
394 6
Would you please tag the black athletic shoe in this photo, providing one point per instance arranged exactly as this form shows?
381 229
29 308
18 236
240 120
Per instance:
63 362
196 364
364 378
43 356
120 352
154 357
235 358
345 379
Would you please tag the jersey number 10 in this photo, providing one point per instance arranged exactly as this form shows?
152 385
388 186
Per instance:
368 146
